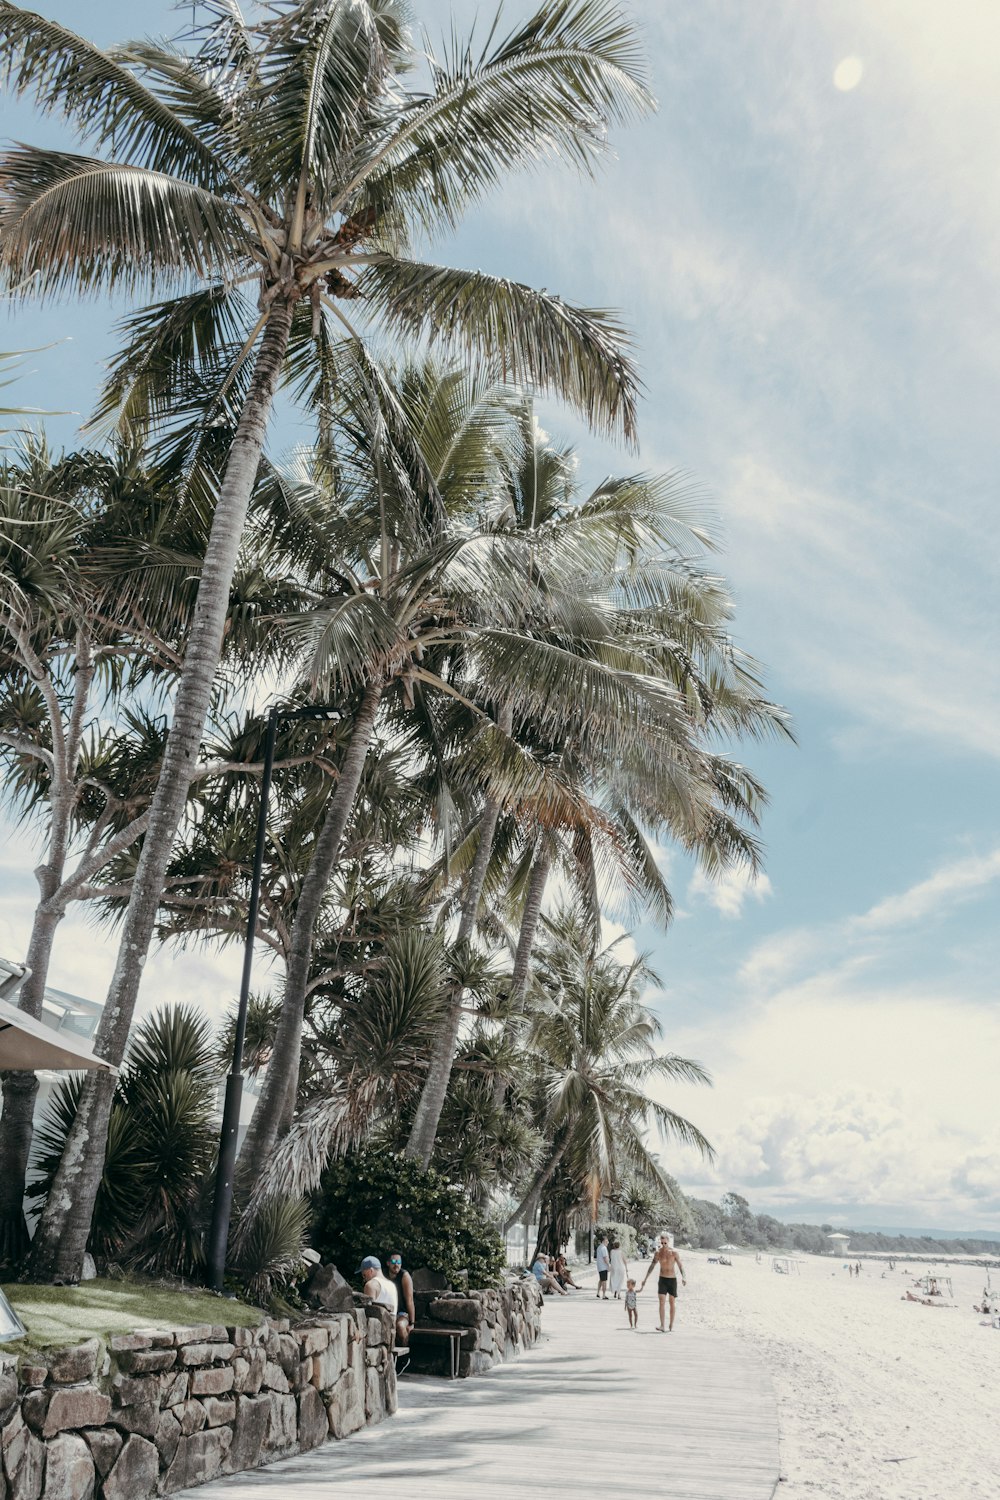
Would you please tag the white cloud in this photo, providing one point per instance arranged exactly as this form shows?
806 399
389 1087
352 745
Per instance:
861 1097
853 943
965 877
730 891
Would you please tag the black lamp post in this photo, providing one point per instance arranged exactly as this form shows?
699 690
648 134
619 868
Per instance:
222 1203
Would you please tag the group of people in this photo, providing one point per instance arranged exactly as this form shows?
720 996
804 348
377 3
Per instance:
391 1288
553 1276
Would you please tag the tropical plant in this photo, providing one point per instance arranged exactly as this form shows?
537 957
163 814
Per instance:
270 1253
292 155
594 1043
376 1201
162 1142
80 762
96 594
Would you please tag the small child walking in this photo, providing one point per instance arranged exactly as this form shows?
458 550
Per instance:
631 1304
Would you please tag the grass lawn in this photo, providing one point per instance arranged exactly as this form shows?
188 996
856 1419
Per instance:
59 1315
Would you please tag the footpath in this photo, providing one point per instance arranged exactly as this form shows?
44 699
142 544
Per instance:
594 1407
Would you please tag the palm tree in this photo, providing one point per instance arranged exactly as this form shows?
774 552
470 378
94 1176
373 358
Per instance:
96 594
643 609
292 156
593 1042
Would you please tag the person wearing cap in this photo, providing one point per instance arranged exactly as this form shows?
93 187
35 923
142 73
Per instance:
377 1285
403 1284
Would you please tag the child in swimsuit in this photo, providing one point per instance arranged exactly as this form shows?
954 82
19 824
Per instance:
631 1304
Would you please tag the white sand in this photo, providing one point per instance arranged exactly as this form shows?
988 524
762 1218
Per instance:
862 1377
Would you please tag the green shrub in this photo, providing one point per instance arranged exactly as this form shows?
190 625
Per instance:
624 1233
373 1202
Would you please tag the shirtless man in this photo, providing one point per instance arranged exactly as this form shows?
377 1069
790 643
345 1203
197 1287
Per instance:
665 1257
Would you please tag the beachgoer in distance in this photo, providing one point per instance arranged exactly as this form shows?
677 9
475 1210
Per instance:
377 1285
632 1303
403 1282
668 1263
602 1259
619 1269
544 1277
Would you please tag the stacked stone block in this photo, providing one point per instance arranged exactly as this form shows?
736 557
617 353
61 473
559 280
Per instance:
159 1411
496 1325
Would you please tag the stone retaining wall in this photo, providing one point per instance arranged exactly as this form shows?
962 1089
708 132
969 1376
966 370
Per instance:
163 1410
496 1325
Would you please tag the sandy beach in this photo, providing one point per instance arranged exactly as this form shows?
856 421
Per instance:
879 1398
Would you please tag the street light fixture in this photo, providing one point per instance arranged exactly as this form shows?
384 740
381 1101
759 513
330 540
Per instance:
222 1202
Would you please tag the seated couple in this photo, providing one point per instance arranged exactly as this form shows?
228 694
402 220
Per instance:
392 1289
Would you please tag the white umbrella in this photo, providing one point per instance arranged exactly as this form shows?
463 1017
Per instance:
27 1044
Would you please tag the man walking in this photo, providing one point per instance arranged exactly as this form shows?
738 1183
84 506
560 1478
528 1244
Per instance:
602 1258
668 1263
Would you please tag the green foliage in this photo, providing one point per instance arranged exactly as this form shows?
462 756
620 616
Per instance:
269 1254
161 1146
624 1233
374 1202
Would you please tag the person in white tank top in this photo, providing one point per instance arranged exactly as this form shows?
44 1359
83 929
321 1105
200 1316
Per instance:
377 1285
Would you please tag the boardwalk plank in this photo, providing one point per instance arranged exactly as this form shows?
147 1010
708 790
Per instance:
690 1415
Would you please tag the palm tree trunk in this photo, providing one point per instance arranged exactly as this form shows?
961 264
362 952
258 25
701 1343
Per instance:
273 1114
537 1187
61 1238
19 1092
423 1133
530 918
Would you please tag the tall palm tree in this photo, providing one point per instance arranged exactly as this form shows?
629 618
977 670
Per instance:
643 607
292 156
594 1046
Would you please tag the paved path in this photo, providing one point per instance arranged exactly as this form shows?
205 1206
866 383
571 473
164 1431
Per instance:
688 1415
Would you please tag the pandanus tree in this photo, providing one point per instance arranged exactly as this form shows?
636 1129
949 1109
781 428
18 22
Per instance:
294 158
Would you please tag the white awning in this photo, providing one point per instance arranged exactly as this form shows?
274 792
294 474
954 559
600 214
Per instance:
28 1045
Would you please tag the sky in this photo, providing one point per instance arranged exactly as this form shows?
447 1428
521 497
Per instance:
806 240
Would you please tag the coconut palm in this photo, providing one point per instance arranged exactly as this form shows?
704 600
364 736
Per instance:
643 607
414 570
292 156
594 1044
98 573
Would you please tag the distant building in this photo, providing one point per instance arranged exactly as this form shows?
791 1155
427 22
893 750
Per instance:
840 1244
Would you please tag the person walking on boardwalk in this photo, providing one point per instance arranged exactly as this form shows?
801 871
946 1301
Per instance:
619 1269
632 1304
668 1264
602 1260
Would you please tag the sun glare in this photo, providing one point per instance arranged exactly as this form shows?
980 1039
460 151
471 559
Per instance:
847 74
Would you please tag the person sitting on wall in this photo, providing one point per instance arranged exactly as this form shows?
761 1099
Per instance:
403 1282
561 1271
377 1285
545 1278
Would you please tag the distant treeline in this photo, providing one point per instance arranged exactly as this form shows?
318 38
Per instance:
732 1222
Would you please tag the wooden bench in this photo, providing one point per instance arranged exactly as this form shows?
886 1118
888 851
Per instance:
447 1340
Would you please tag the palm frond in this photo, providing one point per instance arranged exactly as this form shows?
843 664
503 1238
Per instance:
77 223
101 94
525 337
549 89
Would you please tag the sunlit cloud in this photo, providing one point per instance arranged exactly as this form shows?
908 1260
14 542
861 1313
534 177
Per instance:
729 891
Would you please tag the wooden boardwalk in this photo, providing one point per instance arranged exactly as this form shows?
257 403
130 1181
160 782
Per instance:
688 1415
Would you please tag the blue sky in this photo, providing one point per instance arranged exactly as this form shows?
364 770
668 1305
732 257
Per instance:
812 275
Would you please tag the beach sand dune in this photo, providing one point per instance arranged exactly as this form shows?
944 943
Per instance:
879 1399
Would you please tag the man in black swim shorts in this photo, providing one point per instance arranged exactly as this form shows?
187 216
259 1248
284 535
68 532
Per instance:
668 1263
